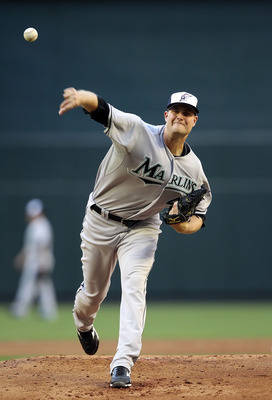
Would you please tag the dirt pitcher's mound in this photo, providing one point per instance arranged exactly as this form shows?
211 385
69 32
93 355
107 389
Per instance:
157 377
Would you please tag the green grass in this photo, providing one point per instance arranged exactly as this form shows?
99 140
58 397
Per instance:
164 320
209 320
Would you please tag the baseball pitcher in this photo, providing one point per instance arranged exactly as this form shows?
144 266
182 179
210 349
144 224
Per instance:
148 169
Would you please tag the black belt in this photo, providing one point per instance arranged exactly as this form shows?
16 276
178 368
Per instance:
128 223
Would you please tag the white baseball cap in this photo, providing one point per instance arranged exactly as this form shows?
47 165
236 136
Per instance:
34 207
183 98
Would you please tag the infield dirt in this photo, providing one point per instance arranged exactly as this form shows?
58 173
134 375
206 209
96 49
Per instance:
64 375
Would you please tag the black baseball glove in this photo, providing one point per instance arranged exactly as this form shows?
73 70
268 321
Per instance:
186 207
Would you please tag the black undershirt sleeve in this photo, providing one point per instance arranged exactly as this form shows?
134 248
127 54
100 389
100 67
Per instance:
101 114
202 217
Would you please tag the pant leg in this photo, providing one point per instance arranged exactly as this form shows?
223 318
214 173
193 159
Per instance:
100 239
136 256
25 293
47 297
97 271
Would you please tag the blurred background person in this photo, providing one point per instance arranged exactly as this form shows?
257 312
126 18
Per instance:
36 262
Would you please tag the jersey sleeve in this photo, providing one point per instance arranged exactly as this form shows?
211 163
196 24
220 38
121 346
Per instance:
125 129
201 209
121 127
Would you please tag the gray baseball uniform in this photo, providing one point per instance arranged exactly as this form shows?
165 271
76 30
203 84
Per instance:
136 180
38 263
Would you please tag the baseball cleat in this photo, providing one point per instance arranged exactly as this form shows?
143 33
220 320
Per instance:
89 341
120 377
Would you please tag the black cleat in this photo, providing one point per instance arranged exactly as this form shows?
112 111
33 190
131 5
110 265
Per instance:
89 341
120 377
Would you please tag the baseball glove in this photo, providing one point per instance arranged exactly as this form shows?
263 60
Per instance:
186 207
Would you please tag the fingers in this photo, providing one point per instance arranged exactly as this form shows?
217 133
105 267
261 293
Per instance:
69 92
174 209
64 106
70 100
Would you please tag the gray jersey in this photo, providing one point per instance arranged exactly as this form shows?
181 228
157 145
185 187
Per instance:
139 176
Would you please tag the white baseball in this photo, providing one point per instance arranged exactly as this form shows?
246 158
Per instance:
30 34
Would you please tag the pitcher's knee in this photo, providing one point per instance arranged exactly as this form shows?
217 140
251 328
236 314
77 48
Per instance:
86 306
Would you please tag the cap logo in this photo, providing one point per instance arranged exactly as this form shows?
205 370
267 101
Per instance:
185 96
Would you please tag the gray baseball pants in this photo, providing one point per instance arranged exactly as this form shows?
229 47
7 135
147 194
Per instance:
104 242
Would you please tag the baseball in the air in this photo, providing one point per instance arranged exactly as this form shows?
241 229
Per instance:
30 34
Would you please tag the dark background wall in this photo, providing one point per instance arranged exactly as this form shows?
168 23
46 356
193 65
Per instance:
135 54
